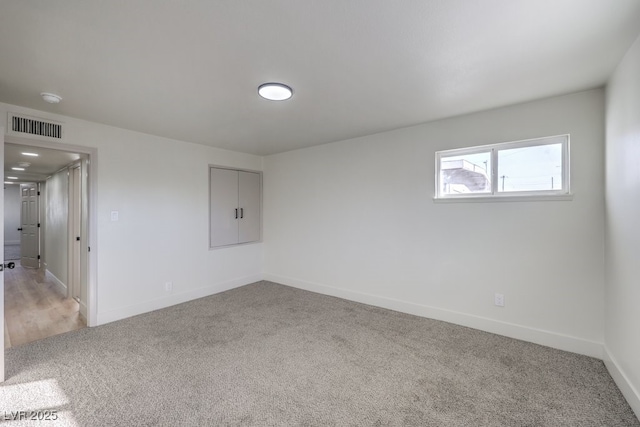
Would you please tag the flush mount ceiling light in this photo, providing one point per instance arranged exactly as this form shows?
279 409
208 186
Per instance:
275 91
51 98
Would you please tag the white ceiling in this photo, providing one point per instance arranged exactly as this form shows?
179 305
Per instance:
189 70
44 165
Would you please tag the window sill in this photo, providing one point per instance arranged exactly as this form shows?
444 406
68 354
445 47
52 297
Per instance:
510 198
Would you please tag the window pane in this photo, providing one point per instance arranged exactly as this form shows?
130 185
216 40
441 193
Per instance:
467 173
537 168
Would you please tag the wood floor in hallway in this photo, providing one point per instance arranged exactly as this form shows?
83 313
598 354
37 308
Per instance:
35 308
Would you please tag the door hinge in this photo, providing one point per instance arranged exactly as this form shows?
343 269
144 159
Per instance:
38 193
89 249
38 256
38 225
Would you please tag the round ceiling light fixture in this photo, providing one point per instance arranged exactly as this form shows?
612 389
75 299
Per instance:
51 98
275 91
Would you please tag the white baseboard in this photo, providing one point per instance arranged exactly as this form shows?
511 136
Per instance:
524 333
83 309
622 381
173 299
61 286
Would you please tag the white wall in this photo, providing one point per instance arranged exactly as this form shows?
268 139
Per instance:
11 214
622 312
56 220
356 219
160 188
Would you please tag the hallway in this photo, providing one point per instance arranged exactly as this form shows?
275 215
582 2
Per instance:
35 307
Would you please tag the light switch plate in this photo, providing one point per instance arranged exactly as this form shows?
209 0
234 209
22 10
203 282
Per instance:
114 215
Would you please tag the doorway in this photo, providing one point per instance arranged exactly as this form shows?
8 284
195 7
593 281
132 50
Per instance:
46 294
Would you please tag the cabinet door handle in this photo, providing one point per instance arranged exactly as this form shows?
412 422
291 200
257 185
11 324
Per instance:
241 212
236 213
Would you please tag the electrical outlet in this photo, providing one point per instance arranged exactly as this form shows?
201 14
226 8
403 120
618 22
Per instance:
168 286
499 300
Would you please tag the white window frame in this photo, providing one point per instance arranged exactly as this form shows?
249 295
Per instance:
563 193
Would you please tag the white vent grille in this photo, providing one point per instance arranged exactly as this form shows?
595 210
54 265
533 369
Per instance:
35 127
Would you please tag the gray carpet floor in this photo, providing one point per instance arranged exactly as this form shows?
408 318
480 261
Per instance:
266 354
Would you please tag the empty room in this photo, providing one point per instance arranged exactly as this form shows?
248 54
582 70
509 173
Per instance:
419 213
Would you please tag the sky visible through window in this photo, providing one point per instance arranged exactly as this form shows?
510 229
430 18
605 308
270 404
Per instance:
537 168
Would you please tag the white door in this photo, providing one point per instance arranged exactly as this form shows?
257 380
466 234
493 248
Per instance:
2 260
224 207
249 204
75 222
29 247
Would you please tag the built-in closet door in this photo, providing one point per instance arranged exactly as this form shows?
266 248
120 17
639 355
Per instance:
249 204
224 207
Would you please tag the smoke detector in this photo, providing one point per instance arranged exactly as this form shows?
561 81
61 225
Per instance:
51 98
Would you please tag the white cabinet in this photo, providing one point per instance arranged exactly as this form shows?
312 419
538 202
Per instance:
235 201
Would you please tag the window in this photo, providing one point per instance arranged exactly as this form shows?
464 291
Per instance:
535 167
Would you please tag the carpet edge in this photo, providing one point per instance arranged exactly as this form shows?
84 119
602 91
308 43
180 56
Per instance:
174 299
538 336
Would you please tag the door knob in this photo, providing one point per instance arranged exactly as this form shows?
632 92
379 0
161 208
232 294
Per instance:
9 265
20 229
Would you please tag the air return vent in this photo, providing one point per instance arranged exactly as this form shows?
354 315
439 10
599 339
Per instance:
34 127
